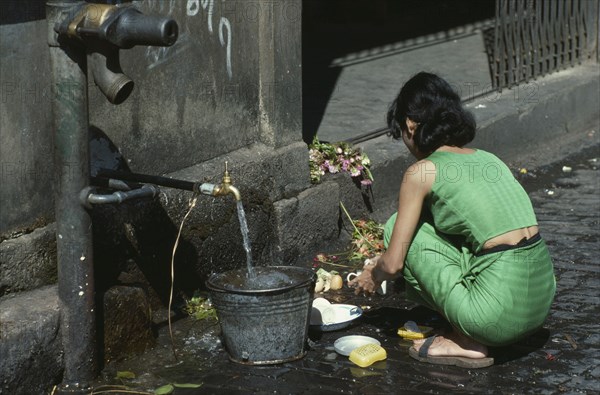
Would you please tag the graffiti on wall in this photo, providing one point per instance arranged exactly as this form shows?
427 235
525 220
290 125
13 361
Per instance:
159 55
224 28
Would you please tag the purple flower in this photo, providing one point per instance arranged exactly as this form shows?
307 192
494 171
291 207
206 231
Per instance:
366 182
345 164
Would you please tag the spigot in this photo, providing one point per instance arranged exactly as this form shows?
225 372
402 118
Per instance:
226 188
104 29
223 189
121 26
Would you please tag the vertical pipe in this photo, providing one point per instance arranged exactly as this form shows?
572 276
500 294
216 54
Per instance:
581 39
503 45
549 38
73 223
540 12
510 31
496 61
593 23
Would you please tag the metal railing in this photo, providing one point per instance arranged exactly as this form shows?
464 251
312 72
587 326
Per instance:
533 38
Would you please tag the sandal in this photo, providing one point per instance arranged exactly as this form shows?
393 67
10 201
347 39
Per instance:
463 362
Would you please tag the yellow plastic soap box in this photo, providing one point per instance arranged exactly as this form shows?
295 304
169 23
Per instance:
367 355
406 334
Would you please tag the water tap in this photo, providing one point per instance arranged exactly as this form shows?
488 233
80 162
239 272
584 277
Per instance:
222 189
104 29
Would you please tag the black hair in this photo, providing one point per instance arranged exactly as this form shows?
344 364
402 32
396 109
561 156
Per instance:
441 119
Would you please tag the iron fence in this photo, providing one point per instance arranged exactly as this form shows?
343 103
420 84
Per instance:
536 37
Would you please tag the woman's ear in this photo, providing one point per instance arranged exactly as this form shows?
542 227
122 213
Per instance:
411 127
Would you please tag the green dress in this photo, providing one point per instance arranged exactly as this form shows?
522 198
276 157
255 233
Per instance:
495 296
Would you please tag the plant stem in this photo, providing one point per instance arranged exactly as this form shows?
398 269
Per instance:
354 226
336 264
116 389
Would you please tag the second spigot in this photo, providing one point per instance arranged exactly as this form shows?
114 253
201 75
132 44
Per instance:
222 189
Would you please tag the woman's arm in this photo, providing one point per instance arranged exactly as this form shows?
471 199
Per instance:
416 184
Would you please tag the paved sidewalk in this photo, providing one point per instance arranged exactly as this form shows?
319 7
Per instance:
364 89
562 358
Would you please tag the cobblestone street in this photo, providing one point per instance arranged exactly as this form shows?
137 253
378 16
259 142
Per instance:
569 222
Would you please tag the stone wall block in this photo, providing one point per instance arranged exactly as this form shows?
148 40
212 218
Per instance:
30 346
127 322
28 261
304 222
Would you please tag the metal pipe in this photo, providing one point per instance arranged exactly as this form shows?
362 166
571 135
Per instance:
108 75
114 184
222 189
104 29
122 26
74 29
88 198
73 223
131 28
148 179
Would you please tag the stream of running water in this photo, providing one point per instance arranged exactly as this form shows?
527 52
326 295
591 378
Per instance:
246 238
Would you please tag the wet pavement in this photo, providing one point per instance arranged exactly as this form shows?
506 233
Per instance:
563 357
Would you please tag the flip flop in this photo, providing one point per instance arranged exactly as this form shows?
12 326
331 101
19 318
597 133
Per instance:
463 362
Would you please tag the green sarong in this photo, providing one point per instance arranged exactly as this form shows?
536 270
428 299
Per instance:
496 298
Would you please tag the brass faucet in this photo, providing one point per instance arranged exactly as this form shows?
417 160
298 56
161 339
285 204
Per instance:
222 189
226 188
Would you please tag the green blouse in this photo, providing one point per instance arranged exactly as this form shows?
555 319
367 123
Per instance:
475 195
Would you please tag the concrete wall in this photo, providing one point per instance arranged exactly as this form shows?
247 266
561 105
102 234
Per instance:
222 86
25 120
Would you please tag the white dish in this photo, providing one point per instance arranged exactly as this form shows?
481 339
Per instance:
345 345
338 316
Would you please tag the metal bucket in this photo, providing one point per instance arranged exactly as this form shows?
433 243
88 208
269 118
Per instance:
267 324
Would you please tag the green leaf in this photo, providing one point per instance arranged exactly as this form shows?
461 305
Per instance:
187 385
125 374
164 390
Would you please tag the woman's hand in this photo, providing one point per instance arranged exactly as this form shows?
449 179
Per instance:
365 282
